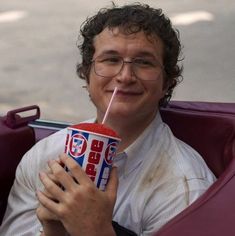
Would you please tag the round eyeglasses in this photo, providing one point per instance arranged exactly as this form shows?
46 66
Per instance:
142 68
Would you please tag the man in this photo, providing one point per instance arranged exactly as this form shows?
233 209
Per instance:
135 49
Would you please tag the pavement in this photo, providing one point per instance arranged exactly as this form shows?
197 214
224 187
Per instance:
38 53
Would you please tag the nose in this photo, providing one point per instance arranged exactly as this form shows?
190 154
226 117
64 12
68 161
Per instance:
126 74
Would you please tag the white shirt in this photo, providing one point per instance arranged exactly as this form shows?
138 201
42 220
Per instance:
159 176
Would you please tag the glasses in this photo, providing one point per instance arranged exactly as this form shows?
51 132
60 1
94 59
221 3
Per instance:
143 68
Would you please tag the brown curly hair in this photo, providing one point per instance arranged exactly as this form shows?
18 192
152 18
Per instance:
132 19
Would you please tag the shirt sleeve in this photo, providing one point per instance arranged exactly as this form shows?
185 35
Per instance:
20 217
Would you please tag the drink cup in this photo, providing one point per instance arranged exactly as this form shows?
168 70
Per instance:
93 147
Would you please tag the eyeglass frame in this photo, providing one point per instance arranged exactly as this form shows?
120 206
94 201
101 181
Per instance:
132 62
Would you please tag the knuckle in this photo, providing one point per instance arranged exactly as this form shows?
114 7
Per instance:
58 172
90 189
73 166
64 210
61 212
38 212
75 196
49 185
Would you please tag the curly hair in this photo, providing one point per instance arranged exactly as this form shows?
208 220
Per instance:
132 19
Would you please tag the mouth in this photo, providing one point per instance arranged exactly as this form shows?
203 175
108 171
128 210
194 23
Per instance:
125 92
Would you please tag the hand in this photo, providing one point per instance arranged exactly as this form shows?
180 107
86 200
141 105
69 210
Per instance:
82 208
51 224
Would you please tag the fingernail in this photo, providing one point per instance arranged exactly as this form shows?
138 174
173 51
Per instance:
50 162
37 192
41 174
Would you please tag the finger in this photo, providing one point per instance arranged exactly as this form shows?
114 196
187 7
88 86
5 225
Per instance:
53 178
51 175
76 170
47 194
51 207
48 170
61 176
53 189
112 185
44 214
59 161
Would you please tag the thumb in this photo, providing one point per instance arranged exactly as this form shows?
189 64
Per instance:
112 186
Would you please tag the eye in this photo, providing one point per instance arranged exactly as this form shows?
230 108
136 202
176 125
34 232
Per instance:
143 62
110 60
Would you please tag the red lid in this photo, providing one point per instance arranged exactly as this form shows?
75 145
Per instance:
96 128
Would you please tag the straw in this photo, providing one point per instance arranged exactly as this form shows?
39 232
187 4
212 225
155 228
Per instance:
109 106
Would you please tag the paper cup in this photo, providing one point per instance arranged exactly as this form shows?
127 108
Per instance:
94 152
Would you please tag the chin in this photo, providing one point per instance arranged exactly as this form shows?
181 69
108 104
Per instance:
122 113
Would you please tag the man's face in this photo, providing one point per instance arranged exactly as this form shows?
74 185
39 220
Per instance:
135 97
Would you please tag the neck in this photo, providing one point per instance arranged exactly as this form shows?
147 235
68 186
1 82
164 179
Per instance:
129 129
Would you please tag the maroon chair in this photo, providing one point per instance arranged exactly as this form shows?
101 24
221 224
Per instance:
210 129
15 139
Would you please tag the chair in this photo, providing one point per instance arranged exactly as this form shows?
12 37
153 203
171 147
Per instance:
210 129
15 139
207 127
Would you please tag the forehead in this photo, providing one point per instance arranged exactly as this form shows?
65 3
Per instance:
117 40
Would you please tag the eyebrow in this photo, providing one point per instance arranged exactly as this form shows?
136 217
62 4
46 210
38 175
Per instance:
138 54
109 52
148 54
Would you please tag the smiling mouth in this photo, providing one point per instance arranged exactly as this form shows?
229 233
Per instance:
128 93
121 92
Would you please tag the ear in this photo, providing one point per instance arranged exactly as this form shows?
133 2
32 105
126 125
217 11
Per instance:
86 86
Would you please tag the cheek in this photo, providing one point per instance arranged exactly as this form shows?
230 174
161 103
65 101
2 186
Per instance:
156 90
93 83
93 91
96 89
162 86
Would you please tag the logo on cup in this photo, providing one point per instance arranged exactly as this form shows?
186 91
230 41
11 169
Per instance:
77 145
110 152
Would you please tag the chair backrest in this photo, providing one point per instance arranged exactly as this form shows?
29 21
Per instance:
15 139
207 127
210 129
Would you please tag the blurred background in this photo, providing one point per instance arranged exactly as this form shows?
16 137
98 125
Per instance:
39 54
